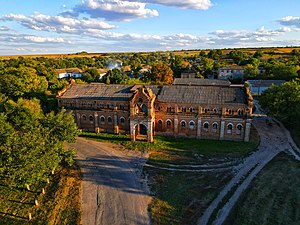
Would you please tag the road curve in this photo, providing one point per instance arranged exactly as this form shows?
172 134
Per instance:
112 193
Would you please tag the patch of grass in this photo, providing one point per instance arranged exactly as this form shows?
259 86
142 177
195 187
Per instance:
60 204
273 197
295 131
181 197
182 150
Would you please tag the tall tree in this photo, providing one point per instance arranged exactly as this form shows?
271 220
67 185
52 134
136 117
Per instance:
161 74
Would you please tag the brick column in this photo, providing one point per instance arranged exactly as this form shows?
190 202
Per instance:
175 125
222 130
116 126
150 131
247 131
96 123
132 130
199 125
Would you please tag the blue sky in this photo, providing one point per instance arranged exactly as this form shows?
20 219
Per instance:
68 26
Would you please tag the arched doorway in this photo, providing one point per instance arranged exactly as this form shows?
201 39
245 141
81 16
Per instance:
141 132
143 129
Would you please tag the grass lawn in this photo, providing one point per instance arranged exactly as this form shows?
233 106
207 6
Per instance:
273 197
181 150
60 204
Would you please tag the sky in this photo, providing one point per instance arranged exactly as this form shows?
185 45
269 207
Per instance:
97 26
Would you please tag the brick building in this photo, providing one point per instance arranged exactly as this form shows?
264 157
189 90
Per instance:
213 111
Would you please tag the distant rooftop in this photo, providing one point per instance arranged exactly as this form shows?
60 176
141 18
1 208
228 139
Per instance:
200 82
265 83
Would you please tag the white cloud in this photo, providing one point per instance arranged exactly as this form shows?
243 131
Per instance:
118 10
290 21
243 36
43 39
57 24
184 4
4 28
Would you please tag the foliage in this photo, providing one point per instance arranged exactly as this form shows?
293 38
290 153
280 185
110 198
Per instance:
22 81
161 74
283 101
31 142
115 76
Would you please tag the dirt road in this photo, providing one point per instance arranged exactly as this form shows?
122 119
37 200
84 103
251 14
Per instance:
112 193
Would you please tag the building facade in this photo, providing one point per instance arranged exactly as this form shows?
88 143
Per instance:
231 72
217 112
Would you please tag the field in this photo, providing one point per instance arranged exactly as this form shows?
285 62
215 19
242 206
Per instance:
185 53
273 197
59 205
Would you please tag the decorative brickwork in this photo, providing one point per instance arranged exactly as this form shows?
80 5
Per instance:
205 112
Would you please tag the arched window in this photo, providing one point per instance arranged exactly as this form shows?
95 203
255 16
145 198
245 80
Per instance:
215 111
215 126
109 120
159 122
205 125
91 118
122 120
84 117
183 124
169 123
229 128
239 128
240 112
192 124
183 109
102 119
191 109
145 109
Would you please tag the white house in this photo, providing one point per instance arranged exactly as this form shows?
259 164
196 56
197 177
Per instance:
69 72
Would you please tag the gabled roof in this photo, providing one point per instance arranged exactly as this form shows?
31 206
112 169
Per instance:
202 95
174 94
99 91
70 70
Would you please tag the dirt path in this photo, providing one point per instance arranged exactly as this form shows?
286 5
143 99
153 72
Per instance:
112 192
273 139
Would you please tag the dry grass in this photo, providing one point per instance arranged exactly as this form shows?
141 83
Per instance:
60 204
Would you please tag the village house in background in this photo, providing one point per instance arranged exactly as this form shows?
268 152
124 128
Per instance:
231 72
211 110
69 73
257 87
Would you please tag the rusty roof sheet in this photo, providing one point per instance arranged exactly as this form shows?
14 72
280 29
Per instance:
200 82
99 91
174 94
215 95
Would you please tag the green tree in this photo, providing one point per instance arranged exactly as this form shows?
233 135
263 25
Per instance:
161 74
22 81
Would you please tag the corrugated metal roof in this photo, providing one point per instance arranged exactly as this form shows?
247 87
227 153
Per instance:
200 82
175 94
